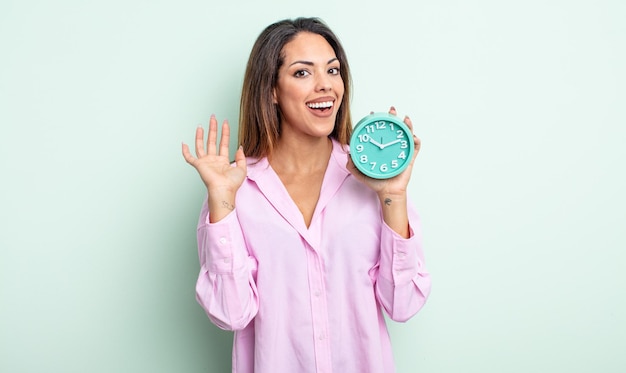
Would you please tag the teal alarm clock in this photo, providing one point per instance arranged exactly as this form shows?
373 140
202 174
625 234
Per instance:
381 146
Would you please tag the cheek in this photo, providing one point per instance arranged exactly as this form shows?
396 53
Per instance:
340 92
340 88
291 93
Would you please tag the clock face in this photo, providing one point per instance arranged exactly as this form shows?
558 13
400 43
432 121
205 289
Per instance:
381 146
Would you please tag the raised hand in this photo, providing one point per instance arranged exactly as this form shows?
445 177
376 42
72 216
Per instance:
220 177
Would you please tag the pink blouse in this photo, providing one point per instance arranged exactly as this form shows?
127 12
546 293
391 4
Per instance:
309 299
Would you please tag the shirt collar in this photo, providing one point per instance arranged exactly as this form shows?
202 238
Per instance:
336 165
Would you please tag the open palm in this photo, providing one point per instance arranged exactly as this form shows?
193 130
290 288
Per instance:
213 163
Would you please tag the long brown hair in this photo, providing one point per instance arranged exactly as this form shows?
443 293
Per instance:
259 118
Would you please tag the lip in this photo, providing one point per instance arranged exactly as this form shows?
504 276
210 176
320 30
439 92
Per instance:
322 99
322 113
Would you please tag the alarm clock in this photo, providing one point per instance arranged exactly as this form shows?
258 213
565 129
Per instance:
381 146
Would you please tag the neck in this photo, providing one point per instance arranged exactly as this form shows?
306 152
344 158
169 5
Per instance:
301 156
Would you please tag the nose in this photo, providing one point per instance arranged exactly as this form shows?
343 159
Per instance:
323 82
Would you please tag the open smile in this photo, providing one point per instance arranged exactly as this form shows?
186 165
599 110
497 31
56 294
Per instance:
321 106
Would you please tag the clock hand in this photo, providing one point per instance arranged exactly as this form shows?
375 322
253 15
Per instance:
390 143
376 143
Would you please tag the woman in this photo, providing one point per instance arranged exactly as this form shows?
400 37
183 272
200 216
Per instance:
299 251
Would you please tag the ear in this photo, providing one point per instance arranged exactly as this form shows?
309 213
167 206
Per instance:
274 96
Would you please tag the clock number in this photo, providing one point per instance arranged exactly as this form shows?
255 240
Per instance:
359 148
392 126
404 145
370 128
384 168
364 138
394 163
363 158
381 125
373 165
400 134
402 155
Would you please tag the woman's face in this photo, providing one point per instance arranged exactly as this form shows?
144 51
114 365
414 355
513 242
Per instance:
310 89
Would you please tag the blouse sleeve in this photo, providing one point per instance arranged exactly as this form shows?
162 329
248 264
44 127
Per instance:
403 283
226 286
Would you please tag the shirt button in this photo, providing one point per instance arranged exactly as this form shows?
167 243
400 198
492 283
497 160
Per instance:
222 240
317 293
322 337
226 260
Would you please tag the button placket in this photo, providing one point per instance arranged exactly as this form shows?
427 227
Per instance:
319 311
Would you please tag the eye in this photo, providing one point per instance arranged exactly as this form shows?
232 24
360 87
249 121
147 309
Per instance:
301 73
333 71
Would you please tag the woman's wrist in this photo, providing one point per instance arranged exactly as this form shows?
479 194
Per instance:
395 214
220 205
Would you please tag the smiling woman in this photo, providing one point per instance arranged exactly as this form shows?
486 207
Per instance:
309 90
260 117
302 283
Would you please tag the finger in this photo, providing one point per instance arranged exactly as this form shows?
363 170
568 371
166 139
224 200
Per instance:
416 140
408 122
240 159
187 154
417 145
211 143
392 111
200 142
225 139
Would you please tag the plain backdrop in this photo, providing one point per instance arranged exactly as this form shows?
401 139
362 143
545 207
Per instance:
520 181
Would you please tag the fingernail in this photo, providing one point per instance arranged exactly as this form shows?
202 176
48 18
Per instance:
392 108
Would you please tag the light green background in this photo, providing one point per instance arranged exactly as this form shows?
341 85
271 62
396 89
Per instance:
520 106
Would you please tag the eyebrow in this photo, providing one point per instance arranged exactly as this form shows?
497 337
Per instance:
309 63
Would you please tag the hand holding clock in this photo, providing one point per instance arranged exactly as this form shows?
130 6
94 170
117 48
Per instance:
377 174
391 191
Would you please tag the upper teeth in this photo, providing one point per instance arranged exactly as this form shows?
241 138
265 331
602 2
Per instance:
317 105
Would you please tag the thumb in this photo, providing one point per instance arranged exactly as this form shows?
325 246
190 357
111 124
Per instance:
240 158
